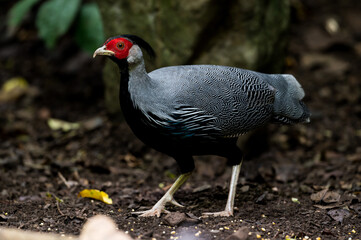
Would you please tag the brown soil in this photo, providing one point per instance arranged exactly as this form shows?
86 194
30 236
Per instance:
280 191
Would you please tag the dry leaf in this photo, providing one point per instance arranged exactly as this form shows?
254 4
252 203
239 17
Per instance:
339 214
317 197
96 194
331 197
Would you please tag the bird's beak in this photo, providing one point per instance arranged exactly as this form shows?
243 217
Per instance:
103 51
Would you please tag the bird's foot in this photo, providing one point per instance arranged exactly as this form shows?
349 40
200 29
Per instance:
158 209
154 212
225 213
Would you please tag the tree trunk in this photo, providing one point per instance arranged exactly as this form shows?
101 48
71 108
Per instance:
239 33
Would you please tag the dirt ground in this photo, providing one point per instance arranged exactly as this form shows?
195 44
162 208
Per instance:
303 181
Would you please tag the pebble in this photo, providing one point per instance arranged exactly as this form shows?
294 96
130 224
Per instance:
174 218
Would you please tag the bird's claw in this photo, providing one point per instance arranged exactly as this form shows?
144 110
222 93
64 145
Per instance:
157 209
174 202
224 213
154 212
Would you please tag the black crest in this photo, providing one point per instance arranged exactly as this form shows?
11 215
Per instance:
141 43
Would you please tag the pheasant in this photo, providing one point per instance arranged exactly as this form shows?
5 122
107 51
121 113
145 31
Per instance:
190 110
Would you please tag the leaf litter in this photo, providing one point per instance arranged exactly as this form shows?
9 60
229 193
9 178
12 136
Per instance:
301 161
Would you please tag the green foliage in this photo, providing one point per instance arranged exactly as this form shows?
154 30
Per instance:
55 17
89 32
17 13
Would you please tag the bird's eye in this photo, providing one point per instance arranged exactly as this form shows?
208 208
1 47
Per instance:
120 45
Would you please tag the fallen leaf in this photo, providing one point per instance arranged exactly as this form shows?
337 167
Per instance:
338 214
92 123
295 200
57 124
345 185
13 88
331 197
317 197
96 194
14 83
356 208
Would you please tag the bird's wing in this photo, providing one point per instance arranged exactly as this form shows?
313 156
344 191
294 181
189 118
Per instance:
215 100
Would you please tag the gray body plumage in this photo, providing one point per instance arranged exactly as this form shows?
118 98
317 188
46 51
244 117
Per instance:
214 101
185 111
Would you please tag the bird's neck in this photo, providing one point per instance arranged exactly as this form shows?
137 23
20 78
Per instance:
134 83
137 74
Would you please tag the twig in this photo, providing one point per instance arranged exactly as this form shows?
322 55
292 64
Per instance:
63 179
58 207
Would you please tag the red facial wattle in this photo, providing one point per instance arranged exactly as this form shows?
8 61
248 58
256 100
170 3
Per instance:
120 47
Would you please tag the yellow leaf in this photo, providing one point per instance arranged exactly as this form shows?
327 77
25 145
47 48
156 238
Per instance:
13 83
12 89
96 194
57 124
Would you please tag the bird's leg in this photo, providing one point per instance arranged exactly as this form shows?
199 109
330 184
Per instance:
228 211
159 207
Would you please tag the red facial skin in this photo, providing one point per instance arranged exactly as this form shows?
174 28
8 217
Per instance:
120 47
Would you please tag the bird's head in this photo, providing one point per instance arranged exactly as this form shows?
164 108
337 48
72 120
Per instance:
124 47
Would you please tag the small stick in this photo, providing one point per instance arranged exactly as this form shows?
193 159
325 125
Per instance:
63 179
58 207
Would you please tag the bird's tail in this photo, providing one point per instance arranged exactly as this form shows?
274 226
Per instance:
288 105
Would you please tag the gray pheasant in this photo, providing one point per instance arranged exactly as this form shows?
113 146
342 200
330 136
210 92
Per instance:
185 111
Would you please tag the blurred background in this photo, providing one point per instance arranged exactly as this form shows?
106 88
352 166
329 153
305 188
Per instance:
59 109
